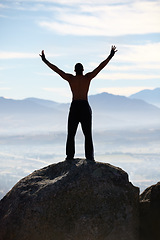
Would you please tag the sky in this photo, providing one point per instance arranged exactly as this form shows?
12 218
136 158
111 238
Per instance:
71 31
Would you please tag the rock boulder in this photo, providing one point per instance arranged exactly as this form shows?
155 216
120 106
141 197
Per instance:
150 213
78 200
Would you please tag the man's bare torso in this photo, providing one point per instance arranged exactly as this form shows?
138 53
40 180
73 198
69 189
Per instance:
79 85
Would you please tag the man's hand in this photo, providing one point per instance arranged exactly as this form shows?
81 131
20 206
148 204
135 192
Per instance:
113 50
42 56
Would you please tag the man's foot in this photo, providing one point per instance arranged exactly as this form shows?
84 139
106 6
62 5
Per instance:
90 159
69 159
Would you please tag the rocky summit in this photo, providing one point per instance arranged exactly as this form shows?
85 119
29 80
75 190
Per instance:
150 213
76 200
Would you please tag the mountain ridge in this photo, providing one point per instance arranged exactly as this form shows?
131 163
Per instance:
148 95
109 111
93 99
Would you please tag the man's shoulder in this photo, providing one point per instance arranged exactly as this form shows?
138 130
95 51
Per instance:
69 76
88 75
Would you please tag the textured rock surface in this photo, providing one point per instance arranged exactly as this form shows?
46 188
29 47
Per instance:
71 201
150 213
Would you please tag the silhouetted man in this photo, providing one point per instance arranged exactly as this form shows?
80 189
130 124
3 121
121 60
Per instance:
80 111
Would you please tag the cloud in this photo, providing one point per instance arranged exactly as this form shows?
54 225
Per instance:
106 19
62 92
75 2
81 2
5 88
147 53
2 68
127 76
52 5
132 62
94 18
134 58
12 55
3 5
142 66
19 55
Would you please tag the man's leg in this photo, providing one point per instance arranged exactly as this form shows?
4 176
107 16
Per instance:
86 122
72 128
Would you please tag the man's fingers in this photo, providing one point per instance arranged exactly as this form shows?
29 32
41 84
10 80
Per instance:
114 48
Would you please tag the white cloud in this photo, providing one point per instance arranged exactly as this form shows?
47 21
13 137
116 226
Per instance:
51 5
134 58
3 5
11 55
75 2
61 92
95 18
133 62
2 68
127 76
19 55
107 20
141 66
147 53
5 88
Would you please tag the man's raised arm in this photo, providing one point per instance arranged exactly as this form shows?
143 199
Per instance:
102 64
64 75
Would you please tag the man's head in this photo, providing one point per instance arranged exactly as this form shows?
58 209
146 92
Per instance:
79 68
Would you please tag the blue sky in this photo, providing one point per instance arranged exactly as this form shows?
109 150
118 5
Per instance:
72 31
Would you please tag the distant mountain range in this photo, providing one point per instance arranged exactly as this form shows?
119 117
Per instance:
109 111
150 96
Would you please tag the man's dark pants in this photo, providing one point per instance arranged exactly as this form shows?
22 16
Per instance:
80 112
